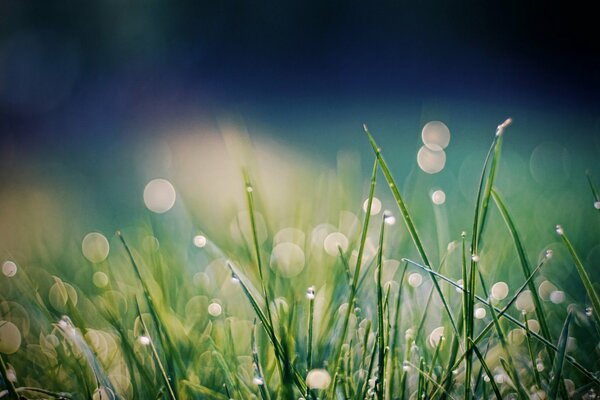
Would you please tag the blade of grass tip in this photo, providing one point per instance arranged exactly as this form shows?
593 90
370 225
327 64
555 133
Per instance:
10 386
487 371
412 230
354 286
163 372
594 191
481 207
396 331
250 203
264 393
560 358
379 386
539 310
587 283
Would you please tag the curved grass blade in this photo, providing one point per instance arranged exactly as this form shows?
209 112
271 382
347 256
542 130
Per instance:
587 283
524 263
593 189
167 342
354 286
279 351
379 386
163 372
412 230
560 358
487 371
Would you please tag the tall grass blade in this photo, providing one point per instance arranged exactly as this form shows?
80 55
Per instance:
379 386
587 283
412 230
560 358
163 372
487 370
354 286
539 310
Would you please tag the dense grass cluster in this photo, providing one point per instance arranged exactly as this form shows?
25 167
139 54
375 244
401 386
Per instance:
309 309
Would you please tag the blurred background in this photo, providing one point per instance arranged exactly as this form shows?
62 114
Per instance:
97 99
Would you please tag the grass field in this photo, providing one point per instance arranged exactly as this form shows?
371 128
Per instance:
317 285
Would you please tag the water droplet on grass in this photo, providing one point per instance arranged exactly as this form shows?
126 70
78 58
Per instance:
559 230
588 311
310 293
480 313
199 241
215 309
318 379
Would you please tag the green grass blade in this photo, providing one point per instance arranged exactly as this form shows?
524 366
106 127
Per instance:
163 372
167 343
354 286
560 358
594 190
396 331
587 283
379 386
487 371
264 393
412 230
279 351
539 310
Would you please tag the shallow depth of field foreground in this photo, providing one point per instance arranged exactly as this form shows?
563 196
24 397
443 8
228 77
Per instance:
250 271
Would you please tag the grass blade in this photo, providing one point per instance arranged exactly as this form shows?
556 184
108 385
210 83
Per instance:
412 230
560 358
379 385
524 263
354 286
487 371
587 283
163 372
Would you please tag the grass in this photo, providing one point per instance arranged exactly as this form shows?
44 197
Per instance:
361 306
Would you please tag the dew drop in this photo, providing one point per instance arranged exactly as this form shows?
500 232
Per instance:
588 311
475 258
310 293
559 230
199 241
597 205
144 340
